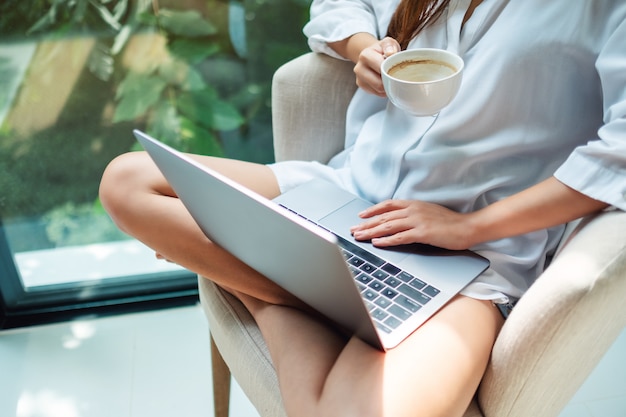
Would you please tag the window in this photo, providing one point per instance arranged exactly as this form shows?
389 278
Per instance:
76 76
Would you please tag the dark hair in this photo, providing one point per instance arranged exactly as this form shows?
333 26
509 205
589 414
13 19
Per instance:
412 16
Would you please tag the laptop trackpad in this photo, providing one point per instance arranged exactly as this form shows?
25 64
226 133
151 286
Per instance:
347 216
314 199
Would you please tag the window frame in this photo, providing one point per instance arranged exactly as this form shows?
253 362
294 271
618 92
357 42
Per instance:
60 302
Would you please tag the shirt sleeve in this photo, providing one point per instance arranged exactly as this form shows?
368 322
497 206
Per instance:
598 169
335 20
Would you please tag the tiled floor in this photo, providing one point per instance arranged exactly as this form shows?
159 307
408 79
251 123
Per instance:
604 392
153 364
156 364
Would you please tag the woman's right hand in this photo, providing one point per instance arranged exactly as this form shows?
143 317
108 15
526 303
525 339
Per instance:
367 68
367 53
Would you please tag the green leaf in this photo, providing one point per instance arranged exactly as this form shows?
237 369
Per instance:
194 81
225 116
45 22
198 140
164 121
193 51
197 105
180 74
188 23
136 94
205 108
174 72
147 18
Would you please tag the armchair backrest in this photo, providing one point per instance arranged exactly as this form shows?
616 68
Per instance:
310 96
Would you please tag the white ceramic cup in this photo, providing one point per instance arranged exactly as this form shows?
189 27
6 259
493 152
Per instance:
422 81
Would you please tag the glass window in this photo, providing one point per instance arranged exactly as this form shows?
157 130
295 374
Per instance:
76 76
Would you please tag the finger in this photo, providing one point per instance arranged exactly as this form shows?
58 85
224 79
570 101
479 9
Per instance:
389 46
378 228
383 207
367 68
372 85
397 239
369 79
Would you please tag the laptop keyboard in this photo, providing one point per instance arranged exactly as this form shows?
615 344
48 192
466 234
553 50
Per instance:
391 294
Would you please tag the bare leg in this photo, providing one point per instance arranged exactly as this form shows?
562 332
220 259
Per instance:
435 372
142 204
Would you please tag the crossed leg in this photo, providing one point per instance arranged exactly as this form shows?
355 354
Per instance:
434 372
141 202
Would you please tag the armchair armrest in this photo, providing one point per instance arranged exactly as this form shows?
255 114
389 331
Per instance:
310 95
563 325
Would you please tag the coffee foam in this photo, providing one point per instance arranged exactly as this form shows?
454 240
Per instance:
421 70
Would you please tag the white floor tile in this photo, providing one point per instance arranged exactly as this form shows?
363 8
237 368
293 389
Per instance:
576 410
63 370
608 379
172 367
604 392
153 364
609 407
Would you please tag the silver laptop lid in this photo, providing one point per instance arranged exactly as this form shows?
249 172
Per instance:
297 255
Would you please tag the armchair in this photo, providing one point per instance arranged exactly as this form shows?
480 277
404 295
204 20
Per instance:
553 339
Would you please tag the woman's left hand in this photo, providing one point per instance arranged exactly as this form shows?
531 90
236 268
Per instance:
399 222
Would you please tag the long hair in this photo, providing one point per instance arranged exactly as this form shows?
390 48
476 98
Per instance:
412 16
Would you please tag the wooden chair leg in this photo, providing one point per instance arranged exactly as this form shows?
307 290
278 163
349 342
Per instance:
221 382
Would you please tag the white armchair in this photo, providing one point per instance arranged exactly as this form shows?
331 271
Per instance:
553 339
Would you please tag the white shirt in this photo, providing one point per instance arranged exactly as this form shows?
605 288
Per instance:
543 94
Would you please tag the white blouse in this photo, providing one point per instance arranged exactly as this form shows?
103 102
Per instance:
543 94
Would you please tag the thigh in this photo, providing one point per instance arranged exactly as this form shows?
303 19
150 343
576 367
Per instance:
257 177
137 172
434 372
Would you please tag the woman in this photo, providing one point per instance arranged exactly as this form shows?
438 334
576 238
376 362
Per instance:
535 138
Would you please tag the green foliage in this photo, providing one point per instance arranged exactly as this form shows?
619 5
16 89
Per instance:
83 224
17 16
136 94
204 96
191 50
161 91
66 14
188 113
189 23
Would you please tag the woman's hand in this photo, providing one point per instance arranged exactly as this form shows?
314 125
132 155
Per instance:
547 204
399 222
367 53
367 68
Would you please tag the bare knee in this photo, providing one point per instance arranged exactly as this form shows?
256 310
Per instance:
114 185
123 179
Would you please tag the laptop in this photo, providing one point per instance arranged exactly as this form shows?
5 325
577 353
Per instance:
301 241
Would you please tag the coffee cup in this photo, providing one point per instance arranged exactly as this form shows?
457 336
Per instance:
422 81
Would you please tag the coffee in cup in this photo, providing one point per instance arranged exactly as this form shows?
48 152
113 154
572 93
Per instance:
422 81
422 70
